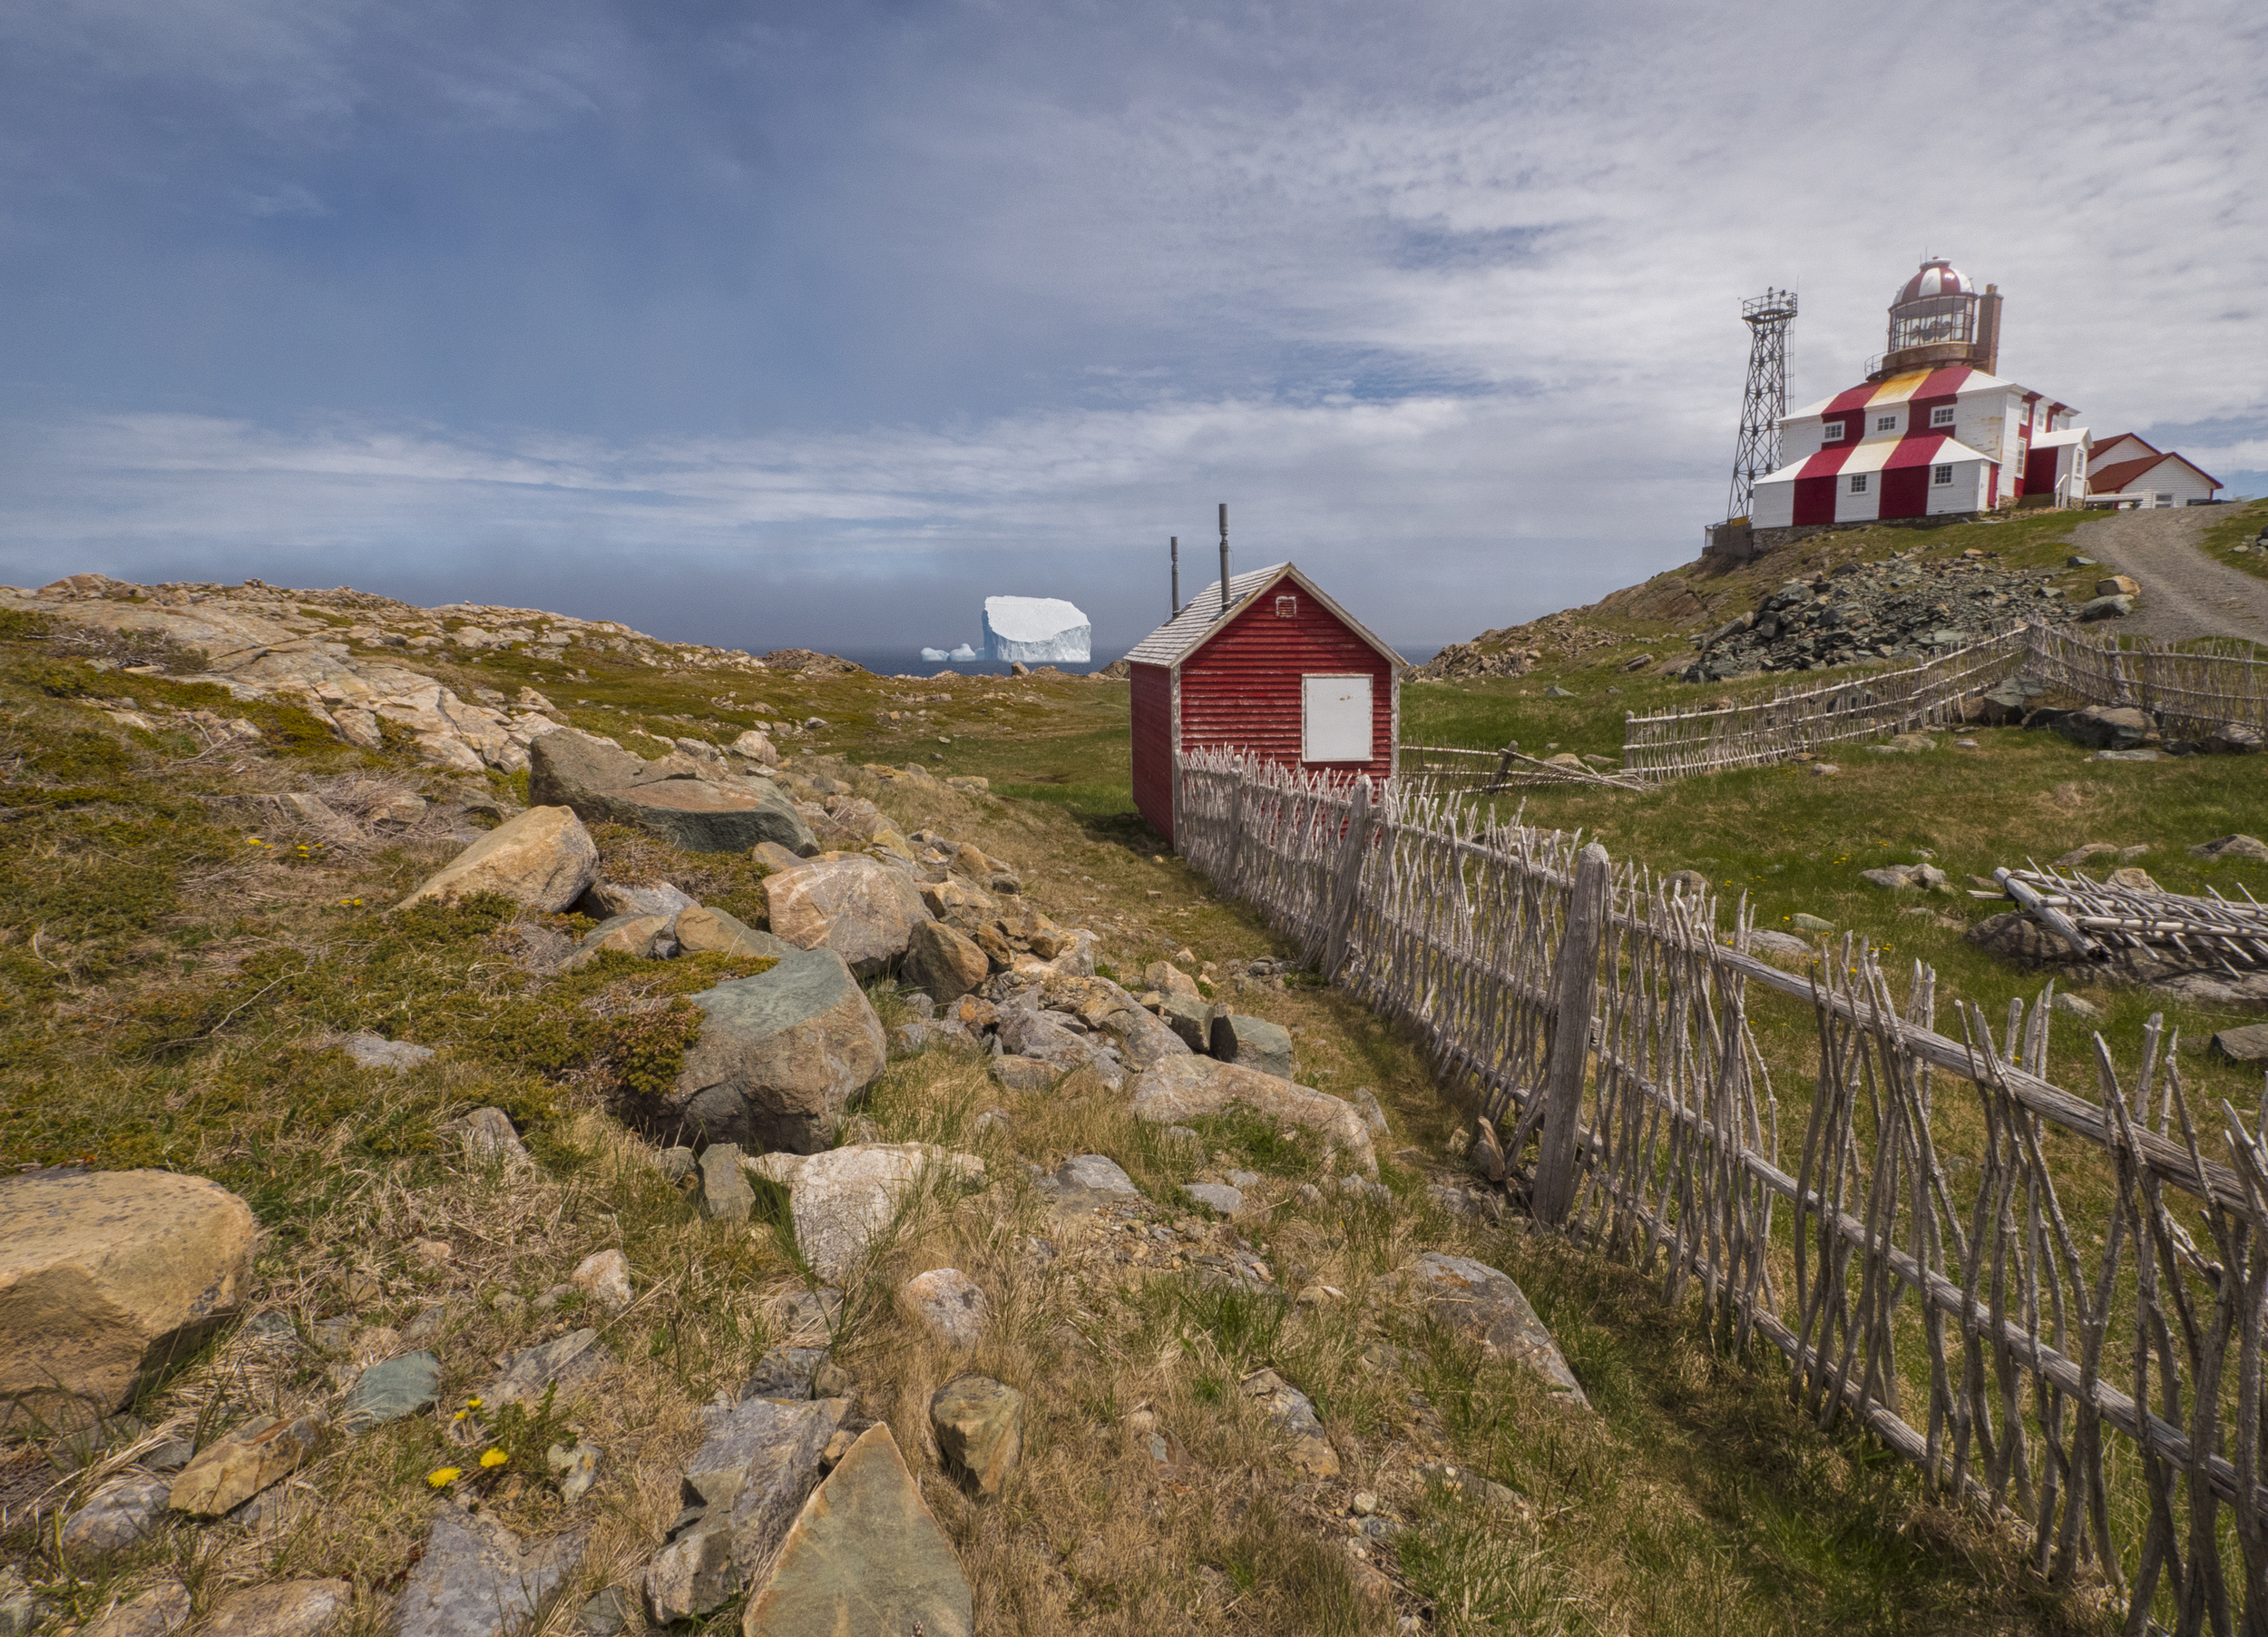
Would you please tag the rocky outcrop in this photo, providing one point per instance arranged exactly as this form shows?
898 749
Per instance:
779 1057
1254 1041
865 1554
542 858
1901 608
105 1278
1180 1089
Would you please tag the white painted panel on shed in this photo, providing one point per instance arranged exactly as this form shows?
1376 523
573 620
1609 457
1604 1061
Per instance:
1334 719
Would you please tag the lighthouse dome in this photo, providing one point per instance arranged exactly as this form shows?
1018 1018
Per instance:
1936 278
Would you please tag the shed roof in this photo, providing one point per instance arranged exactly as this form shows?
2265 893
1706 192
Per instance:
1196 624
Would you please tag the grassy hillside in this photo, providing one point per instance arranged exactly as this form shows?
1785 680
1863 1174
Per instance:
174 954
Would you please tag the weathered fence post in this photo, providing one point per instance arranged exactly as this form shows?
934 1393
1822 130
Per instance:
1231 876
1574 983
1348 877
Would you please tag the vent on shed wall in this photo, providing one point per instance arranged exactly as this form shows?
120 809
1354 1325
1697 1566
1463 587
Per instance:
1335 718
1288 608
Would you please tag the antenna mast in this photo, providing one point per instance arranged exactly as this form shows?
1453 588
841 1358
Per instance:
1765 401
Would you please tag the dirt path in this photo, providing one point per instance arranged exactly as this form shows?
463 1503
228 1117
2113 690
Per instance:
2185 593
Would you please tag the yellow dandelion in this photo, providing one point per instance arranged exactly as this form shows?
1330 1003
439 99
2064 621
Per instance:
472 1404
494 1457
441 1477
460 1415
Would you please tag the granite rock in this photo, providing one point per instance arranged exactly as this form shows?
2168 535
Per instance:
779 1058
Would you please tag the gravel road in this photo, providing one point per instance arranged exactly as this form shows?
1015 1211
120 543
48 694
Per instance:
2185 593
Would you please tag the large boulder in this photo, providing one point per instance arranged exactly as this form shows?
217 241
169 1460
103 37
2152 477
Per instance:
944 964
1483 1303
703 930
865 1556
105 1278
1177 1090
779 1057
542 858
2107 727
568 765
839 1199
688 802
1254 1041
859 908
703 815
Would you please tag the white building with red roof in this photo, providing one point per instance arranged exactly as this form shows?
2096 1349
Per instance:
2127 471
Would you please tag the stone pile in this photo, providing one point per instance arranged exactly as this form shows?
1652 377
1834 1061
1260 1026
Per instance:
1897 609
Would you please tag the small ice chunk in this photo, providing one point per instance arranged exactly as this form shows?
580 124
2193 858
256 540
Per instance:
1036 630
935 655
962 654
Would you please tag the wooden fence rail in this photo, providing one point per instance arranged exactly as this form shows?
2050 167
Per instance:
2073 1346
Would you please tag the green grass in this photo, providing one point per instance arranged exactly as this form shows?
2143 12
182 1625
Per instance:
2239 526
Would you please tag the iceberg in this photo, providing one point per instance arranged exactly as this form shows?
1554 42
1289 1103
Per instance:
932 655
1037 631
938 655
962 654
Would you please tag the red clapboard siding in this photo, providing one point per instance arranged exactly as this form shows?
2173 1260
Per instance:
1153 746
1242 689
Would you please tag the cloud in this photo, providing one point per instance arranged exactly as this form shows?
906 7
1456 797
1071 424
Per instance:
1444 302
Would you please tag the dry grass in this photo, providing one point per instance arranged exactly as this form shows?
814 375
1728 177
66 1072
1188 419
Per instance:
1692 1501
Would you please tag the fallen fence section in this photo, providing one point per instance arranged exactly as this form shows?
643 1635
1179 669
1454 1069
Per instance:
2086 913
2090 1371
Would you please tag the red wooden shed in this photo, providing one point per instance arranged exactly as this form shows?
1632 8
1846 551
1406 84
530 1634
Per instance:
1284 671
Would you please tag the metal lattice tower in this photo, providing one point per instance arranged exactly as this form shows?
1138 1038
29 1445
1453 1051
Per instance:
1765 400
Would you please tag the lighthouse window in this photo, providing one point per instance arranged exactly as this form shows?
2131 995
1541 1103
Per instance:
1831 433
1885 423
1940 475
1858 483
1942 415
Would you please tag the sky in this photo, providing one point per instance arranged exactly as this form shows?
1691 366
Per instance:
782 324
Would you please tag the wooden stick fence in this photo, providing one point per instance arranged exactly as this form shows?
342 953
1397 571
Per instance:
2192 691
1675 744
1487 772
2091 1373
